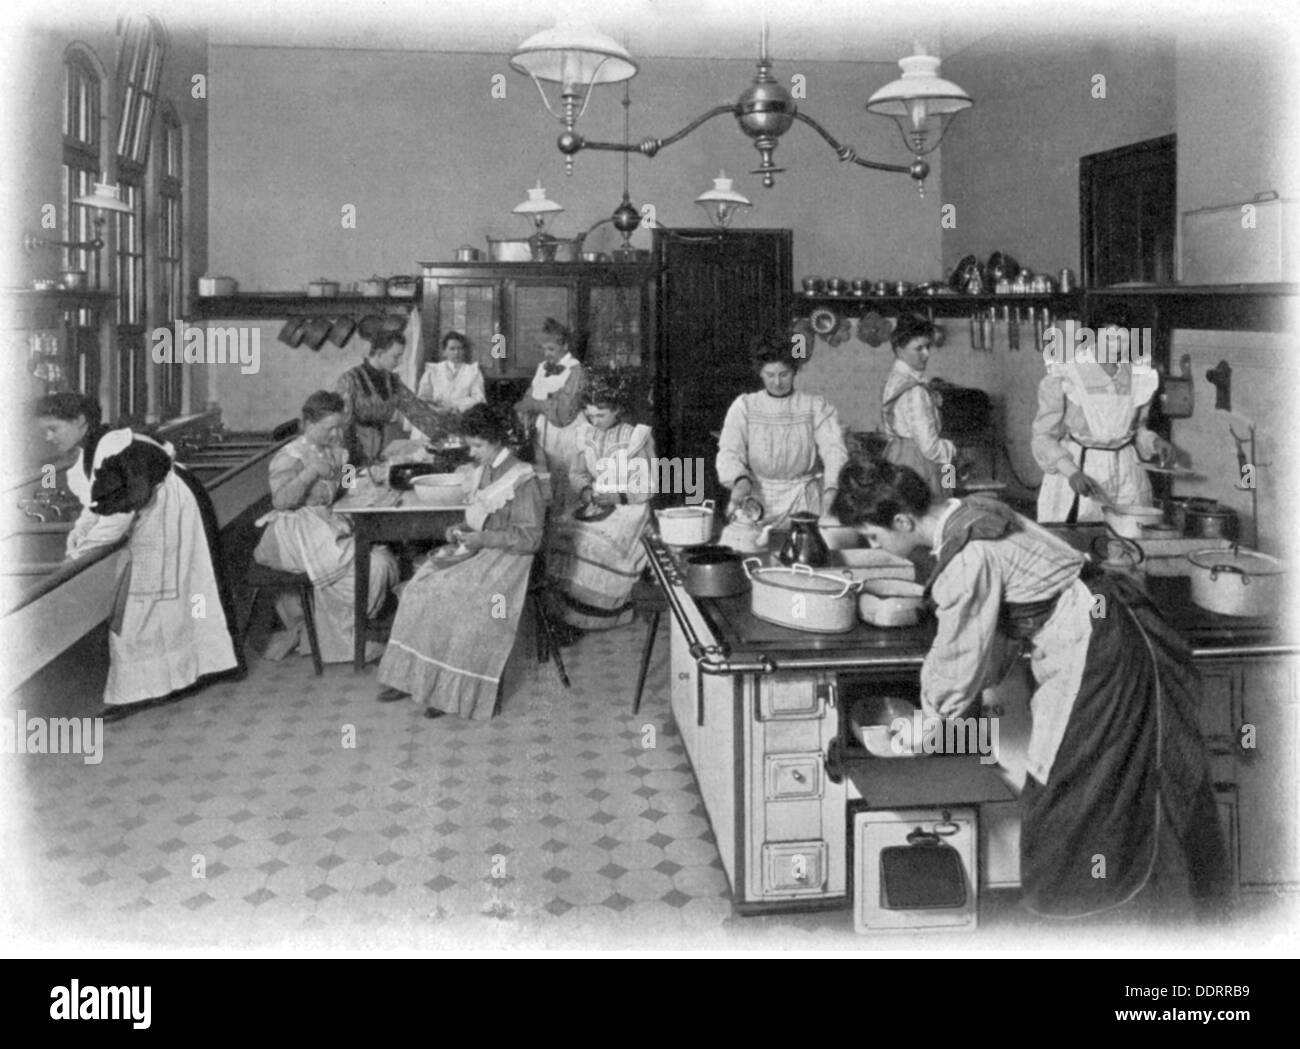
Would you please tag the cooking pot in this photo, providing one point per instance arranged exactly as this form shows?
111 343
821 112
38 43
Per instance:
714 571
216 286
1237 582
73 280
468 253
1214 521
799 598
374 287
321 288
402 287
503 250
686 525
1128 520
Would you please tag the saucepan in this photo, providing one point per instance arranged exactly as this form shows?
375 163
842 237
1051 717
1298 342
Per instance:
714 571
1237 582
686 525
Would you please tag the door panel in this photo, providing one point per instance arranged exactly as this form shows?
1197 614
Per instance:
716 295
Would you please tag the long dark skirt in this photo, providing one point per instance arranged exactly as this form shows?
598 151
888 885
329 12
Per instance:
1132 759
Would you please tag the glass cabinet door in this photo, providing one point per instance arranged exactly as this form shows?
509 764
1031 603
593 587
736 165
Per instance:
471 309
614 326
530 307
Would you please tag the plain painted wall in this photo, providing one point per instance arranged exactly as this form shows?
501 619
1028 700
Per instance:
431 160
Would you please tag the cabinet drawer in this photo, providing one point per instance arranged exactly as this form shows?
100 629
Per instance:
1220 702
791 698
794 867
793 777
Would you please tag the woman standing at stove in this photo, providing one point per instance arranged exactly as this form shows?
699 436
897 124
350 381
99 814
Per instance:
773 440
1118 789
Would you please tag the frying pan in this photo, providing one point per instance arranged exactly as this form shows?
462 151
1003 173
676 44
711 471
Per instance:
293 331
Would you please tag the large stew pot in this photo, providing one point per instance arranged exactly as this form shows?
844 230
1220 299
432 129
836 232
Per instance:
686 525
799 598
714 571
1237 582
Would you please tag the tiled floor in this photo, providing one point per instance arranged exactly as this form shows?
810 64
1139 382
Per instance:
290 810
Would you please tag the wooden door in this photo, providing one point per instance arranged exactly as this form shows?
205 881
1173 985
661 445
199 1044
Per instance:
715 294
1128 213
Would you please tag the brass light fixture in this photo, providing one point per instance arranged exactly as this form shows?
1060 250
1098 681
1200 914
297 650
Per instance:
104 198
578 57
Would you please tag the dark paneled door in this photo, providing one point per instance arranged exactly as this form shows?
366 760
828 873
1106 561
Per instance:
715 295
1128 213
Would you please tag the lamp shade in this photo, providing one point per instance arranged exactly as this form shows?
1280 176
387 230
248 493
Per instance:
920 82
537 204
722 201
105 198
573 53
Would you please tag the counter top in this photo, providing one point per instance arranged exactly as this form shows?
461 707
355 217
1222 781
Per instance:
742 643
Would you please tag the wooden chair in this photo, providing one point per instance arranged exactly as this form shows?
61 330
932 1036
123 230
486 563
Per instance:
539 594
261 578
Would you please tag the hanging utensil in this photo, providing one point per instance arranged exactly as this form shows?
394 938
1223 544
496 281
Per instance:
1013 328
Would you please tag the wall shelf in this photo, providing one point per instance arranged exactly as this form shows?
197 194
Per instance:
279 304
1227 307
939 305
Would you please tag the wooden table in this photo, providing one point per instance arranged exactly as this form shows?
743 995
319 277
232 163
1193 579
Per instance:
384 516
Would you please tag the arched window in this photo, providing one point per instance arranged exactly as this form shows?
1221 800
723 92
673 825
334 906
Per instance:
139 66
82 143
83 159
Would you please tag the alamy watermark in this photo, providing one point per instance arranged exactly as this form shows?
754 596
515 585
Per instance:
38 735
927 734
191 344
638 476
1076 344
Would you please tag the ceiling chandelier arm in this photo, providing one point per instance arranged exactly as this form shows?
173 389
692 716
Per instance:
848 152
650 146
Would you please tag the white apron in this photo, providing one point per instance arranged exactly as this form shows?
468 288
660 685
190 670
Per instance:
1107 454
170 628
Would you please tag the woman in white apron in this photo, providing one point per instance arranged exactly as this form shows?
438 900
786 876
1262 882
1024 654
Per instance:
304 535
594 564
908 413
552 409
456 625
778 446
452 384
1088 437
172 618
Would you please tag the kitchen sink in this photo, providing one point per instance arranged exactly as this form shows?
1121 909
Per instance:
34 551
